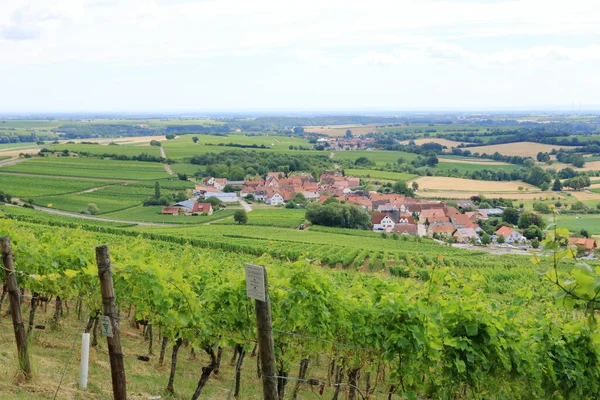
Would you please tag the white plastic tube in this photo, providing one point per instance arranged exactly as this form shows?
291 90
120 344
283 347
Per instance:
85 357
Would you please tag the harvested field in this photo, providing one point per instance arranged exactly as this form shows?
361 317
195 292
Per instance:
588 166
441 183
481 161
585 195
523 149
443 142
467 195
340 130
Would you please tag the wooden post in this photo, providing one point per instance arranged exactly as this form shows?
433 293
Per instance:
15 306
266 347
117 368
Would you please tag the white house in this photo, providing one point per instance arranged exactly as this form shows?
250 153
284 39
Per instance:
382 222
510 235
275 199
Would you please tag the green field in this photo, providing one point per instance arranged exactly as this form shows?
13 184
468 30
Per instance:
464 167
90 168
108 199
152 214
184 147
186 168
99 149
35 186
278 217
375 174
29 215
377 156
575 223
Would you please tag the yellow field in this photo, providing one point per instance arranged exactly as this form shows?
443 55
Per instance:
523 149
443 142
433 183
468 194
340 130
589 166
583 196
479 161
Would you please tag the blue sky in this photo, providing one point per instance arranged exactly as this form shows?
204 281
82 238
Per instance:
237 55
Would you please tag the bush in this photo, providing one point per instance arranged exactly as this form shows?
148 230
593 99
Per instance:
155 143
240 217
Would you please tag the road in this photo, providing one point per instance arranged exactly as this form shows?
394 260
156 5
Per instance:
245 205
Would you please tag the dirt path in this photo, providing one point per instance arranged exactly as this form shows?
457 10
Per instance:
91 217
163 154
91 190
11 161
245 205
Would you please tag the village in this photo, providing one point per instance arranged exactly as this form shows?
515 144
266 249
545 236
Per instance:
456 222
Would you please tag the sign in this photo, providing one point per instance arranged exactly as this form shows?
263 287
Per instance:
50 205
105 326
255 282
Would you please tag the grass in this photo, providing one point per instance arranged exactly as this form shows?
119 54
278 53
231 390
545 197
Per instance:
35 186
372 173
107 199
377 156
27 214
122 149
152 214
464 167
89 167
575 223
184 147
186 168
279 217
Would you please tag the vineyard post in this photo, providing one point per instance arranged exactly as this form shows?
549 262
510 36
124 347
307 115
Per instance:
15 306
117 368
256 288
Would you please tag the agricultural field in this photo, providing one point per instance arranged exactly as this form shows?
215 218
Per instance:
438 183
340 130
575 223
34 186
184 147
377 156
375 174
460 166
186 168
89 167
29 124
278 217
99 149
523 149
42 218
107 199
444 142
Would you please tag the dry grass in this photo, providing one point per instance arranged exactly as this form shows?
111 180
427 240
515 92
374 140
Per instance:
583 196
443 142
340 130
589 166
437 183
480 161
449 194
523 149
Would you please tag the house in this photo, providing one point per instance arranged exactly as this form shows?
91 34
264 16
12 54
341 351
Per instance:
209 180
510 235
170 210
434 212
587 246
441 229
274 175
477 215
465 235
236 183
492 212
274 199
201 208
382 221
464 204
461 221
220 183
405 229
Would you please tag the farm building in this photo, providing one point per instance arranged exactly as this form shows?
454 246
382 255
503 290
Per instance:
465 235
170 210
224 197
587 246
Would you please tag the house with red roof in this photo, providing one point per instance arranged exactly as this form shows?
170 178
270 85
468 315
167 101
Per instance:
587 246
171 210
200 208
510 235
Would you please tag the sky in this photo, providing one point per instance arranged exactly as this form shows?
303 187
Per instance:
312 55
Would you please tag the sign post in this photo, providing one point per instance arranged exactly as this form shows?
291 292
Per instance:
256 288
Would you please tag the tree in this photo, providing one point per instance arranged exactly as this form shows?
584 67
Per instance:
298 130
535 243
348 134
338 215
557 185
182 177
92 209
155 143
532 232
157 190
501 239
170 136
541 207
401 187
240 217
363 162
584 233
528 218
544 186
511 215
415 186
485 239
195 139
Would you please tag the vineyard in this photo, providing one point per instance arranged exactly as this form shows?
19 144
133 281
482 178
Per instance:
436 331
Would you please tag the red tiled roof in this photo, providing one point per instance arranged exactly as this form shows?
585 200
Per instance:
170 210
376 217
589 244
504 231
202 207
